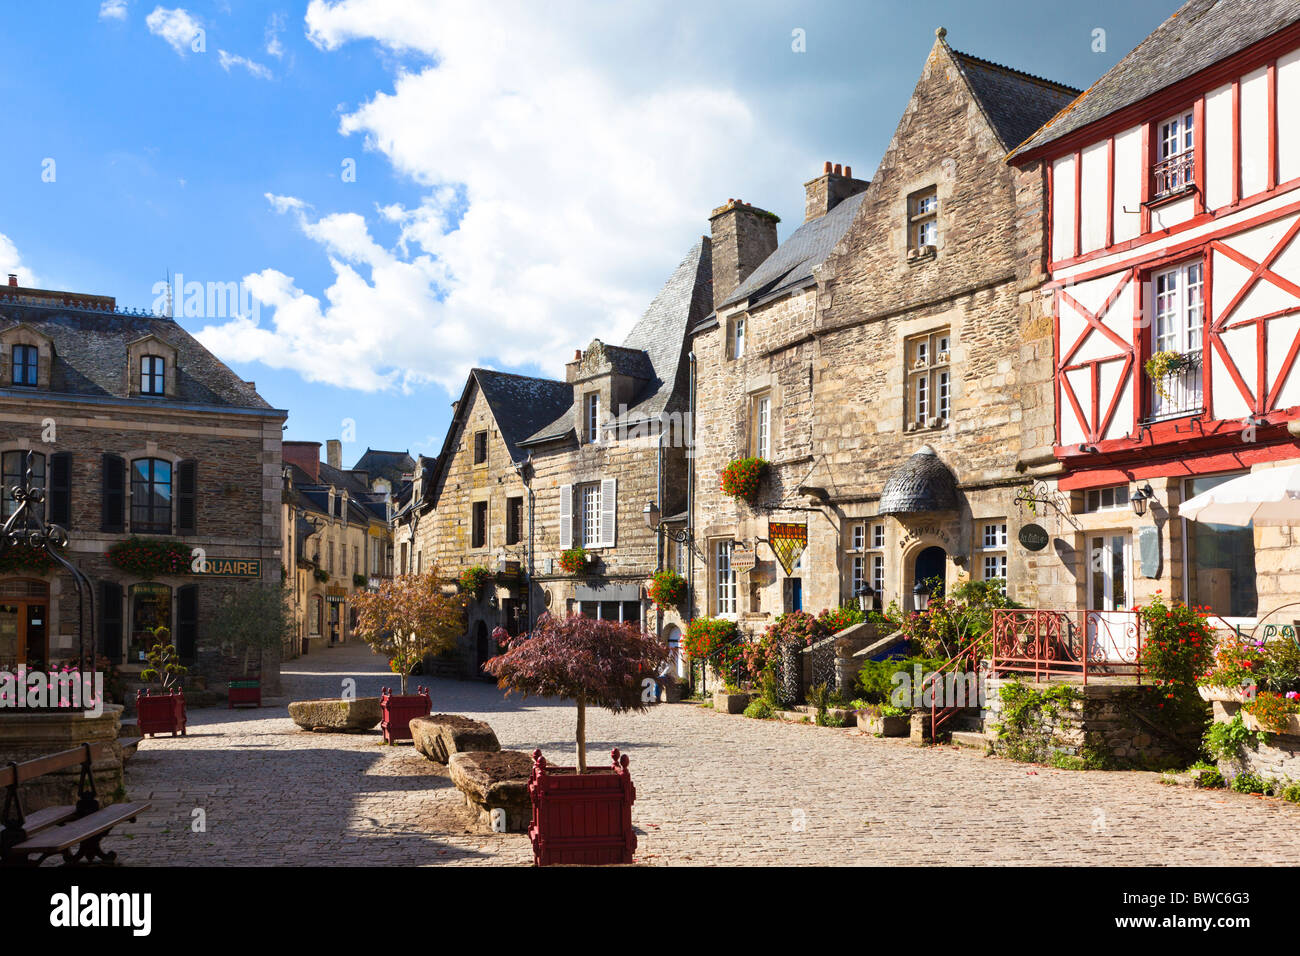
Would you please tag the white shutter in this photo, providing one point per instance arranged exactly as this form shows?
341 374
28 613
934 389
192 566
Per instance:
566 517
608 511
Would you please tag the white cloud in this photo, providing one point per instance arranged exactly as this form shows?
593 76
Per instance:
227 60
112 10
274 27
176 26
558 196
11 263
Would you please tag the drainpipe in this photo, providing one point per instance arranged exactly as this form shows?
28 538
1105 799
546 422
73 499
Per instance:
690 503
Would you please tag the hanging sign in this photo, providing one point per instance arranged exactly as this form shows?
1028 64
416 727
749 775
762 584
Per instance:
788 542
743 560
1034 537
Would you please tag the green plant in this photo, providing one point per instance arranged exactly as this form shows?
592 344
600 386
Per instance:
1279 669
1290 791
1226 741
1248 782
759 709
741 478
951 625
1030 717
1206 775
831 720
1177 644
20 558
165 667
837 619
1161 365
474 579
573 560
668 589
1234 663
321 575
252 619
359 581
149 558
1273 711
877 682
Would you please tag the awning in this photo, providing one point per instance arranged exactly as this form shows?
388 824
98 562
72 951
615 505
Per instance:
1269 497
607 592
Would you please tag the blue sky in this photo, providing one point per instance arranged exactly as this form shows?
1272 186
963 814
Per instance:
526 175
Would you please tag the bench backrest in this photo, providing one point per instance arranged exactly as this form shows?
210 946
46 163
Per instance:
11 775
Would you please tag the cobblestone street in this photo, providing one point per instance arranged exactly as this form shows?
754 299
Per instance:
711 789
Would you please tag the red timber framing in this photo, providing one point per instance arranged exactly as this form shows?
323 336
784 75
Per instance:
1092 421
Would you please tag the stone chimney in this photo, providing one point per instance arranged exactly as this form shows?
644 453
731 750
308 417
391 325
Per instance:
334 453
304 454
828 190
743 236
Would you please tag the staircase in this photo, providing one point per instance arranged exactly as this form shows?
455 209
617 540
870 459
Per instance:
960 717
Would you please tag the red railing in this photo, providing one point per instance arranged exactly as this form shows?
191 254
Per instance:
943 705
1048 643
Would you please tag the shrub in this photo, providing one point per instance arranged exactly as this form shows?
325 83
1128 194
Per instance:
1225 741
1290 792
1206 775
474 580
876 678
741 478
836 620
1247 782
759 709
668 589
717 641
951 625
573 560
358 581
1177 644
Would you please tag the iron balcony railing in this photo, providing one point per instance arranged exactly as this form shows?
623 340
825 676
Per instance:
1179 393
1066 643
1174 174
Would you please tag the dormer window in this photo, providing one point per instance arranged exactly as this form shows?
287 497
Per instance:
923 222
592 409
152 378
1175 169
25 363
738 337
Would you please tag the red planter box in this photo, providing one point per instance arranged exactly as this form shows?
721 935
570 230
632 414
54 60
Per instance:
583 819
241 692
160 713
398 709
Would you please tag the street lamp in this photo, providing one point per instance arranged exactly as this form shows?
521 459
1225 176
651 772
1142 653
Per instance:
651 514
1140 498
920 596
653 521
866 595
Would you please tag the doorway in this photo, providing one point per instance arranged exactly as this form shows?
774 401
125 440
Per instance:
24 624
931 565
1110 580
151 608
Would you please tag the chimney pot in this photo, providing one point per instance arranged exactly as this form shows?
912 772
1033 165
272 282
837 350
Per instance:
13 278
837 170
334 453
828 166
577 355
827 191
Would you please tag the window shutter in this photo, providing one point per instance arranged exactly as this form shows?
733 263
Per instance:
61 488
608 511
187 614
110 620
113 494
566 517
187 497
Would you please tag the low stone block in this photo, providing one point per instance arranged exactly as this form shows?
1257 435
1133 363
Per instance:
494 780
337 715
725 703
438 736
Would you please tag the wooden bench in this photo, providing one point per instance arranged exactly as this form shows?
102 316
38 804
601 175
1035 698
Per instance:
74 832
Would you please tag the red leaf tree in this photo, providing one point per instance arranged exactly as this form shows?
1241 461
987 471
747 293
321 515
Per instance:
409 617
603 663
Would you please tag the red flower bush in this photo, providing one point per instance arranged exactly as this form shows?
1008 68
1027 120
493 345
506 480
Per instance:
1177 644
573 560
668 589
741 478
149 558
23 557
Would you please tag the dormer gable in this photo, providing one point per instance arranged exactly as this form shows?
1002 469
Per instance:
605 378
151 368
17 368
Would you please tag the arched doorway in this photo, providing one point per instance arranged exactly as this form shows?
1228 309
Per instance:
930 564
482 650
24 627
677 656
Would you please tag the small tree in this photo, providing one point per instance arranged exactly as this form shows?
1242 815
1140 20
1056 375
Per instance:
410 617
253 619
165 667
603 663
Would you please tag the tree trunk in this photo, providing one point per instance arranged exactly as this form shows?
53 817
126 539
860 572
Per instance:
582 734
403 675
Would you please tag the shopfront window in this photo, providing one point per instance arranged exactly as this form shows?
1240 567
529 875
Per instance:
1219 561
151 608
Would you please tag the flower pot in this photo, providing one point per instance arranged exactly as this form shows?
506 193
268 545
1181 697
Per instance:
581 819
398 709
244 692
1292 727
1224 694
160 713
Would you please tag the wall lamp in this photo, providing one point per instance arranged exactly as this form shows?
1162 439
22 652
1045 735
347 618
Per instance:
653 521
1140 499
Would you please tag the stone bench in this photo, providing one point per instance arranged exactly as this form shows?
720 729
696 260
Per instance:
337 715
494 780
438 736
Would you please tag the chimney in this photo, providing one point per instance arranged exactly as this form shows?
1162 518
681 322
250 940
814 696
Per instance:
828 190
742 237
304 454
13 278
334 453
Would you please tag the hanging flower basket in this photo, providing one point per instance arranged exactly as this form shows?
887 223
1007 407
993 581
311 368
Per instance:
148 558
23 557
474 580
573 561
668 589
741 478
1162 365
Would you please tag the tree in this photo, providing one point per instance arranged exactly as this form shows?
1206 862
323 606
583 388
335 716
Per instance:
410 617
164 665
603 663
253 618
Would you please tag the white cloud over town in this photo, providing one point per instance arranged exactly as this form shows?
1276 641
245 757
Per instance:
177 26
227 60
112 10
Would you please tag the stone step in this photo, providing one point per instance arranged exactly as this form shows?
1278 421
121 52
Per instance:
977 740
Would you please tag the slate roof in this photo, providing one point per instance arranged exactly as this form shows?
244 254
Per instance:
521 405
791 264
922 483
391 465
1197 35
1015 103
90 350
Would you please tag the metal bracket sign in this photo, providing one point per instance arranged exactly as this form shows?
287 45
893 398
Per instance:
788 542
1032 496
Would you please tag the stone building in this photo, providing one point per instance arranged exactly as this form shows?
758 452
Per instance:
337 539
891 360
135 431
533 467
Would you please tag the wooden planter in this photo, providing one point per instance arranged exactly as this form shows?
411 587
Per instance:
581 819
244 692
160 713
398 709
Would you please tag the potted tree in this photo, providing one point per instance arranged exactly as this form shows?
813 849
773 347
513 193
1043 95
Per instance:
582 816
253 621
406 619
162 712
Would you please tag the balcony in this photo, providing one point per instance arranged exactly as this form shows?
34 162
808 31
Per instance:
1173 175
1178 393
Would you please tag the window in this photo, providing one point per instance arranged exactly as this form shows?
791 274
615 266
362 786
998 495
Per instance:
858 537
929 380
151 496
25 363
592 419
1218 560
590 516
877 557
738 337
1104 499
478 528
15 473
762 445
1177 323
725 578
993 543
514 520
1175 169
923 220
480 448
151 375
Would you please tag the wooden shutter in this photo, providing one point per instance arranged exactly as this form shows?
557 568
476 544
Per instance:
608 511
186 497
110 620
566 517
187 620
61 488
113 494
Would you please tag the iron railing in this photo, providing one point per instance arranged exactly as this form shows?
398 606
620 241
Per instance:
1173 174
1066 643
1179 393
